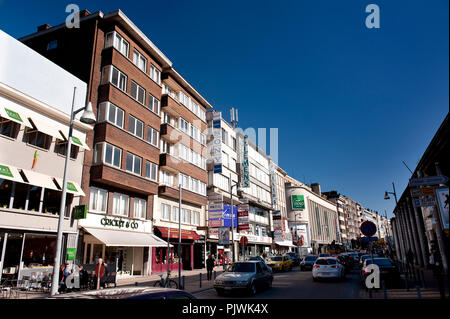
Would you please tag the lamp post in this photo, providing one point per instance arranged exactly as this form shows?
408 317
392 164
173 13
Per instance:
232 222
386 194
179 238
87 117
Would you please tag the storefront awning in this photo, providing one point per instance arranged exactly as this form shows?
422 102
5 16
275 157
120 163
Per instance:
285 243
76 139
10 172
14 116
185 234
122 238
38 179
72 187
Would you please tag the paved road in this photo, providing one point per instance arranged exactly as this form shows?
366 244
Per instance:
299 285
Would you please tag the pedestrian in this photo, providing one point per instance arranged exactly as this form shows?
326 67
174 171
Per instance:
84 277
210 266
100 274
62 279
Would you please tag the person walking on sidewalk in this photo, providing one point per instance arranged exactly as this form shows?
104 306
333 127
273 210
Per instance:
210 266
100 272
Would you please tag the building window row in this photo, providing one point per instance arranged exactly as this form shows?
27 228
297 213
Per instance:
191 130
171 213
191 156
192 184
185 100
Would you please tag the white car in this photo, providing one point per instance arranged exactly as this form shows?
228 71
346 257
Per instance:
328 267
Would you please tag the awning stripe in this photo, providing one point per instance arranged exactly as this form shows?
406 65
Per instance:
185 234
46 128
72 187
42 180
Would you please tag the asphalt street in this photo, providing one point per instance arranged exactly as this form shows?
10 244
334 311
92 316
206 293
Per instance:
298 284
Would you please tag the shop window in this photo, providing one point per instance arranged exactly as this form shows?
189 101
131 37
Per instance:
61 148
52 201
9 128
5 192
37 138
34 197
39 250
121 204
20 196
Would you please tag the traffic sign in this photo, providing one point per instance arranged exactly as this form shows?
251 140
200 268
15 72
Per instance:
243 241
368 228
368 239
429 180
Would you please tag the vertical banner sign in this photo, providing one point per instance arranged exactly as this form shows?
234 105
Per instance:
224 236
215 210
245 182
216 150
243 209
273 183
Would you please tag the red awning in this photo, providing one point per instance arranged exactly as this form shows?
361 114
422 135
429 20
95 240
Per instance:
185 234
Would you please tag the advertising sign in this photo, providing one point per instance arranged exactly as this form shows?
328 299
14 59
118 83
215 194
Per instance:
216 149
70 254
298 202
442 198
224 236
273 183
243 221
79 212
214 223
424 201
215 202
245 182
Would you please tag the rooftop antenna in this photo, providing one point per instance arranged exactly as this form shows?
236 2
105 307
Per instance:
234 117
407 167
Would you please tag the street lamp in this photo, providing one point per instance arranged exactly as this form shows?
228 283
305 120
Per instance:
87 117
386 194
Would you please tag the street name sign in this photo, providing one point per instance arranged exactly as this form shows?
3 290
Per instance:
426 181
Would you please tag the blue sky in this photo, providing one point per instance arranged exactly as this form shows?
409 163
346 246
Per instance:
350 103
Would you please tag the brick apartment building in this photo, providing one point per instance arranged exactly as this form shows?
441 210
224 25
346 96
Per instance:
149 138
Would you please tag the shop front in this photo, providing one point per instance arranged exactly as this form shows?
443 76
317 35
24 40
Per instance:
191 252
126 242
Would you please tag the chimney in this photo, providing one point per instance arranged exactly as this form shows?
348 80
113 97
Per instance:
316 188
43 27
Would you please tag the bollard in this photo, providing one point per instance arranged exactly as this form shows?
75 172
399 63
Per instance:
383 283
200 280
214 275
419 296
182 287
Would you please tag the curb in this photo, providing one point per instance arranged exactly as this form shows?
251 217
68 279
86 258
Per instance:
201 290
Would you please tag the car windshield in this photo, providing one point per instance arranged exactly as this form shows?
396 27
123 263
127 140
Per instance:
242 267
326 262
380 262
310 258
276 258
324 255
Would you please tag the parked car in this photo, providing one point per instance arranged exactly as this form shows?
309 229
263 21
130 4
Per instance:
364 257
246 276
308 262
295 258
328 267
355 256
261 259
281 263
344 262
129 293
388 272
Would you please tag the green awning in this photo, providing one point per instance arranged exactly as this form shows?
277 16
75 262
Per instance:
15 116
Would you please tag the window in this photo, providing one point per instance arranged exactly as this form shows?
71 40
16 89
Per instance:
224 137
61 148
134 163
155 74
165 178
153 104
225 159
139 60
166 147
98 200
140 208
9 128
107 153
37 138
152 136
135 126
111 113
117 78
175 214
196 218
183 125
151 170
117 41
185 216
184 181
165 212
137 92
52 45
233 142
121 204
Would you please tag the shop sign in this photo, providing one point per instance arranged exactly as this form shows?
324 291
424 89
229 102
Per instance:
243 221
120 223
13 115
4 170
224 236
71 187
273 182
215 202
245 182
424 201
80 212
216 222
216 150
298 202
71 253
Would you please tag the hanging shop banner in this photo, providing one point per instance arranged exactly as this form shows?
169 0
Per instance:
273 182
215 223
224 236
442 199
243 221
245 182
215 202
216 148
79 212
298 202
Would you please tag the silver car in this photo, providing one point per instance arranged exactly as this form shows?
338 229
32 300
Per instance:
246 276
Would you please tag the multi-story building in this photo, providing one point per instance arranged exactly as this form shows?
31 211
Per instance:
35 106
339 200
315 217
149 138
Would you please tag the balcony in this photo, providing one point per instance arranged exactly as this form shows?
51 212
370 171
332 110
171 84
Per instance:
170 134
169 163
187 196
171 106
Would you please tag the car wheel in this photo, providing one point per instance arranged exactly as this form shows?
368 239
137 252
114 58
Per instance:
220 292
253 289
